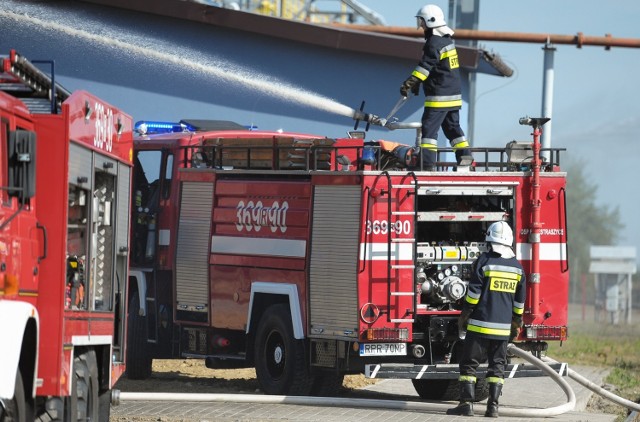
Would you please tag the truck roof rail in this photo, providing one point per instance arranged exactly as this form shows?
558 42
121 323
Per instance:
286 152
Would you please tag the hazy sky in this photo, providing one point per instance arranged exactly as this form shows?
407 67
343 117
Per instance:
596 101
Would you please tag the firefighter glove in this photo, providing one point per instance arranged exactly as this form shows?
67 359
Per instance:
412 84
516 323
463 319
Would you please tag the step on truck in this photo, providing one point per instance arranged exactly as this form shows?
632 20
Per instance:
310 258
65 172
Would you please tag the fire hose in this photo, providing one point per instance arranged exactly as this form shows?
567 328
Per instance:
597 389
118 396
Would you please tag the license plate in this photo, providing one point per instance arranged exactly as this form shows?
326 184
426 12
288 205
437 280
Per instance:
383 349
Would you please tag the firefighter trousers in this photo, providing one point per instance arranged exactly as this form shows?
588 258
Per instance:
449 120
478 349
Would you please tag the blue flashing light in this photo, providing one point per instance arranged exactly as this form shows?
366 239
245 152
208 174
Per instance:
368 155
147 127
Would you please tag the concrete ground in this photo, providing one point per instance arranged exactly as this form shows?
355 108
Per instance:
528 393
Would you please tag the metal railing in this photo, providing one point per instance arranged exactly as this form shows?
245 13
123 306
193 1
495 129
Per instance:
342 11
268 156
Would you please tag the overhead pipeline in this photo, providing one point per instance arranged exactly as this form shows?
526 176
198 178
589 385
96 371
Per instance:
579 40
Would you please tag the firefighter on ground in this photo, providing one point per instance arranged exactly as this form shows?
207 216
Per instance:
491 316
439 73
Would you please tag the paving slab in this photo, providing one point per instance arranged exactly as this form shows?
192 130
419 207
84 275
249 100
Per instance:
525 393
534 393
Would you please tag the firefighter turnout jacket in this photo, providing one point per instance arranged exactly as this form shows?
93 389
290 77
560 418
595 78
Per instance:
440 74
496 295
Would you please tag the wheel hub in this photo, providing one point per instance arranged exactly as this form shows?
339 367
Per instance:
278 354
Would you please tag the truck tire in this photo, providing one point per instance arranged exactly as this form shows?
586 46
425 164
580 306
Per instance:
84 388
447 389
482 389
437 389
327 385
138 359
16 409
104 405
281 364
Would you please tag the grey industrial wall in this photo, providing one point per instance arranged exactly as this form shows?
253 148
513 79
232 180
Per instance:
153 88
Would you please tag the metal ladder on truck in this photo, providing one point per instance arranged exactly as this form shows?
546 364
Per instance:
39 91
395 243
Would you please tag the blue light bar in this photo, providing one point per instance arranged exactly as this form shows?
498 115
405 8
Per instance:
147 127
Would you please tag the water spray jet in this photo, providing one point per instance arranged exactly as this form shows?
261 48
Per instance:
260 83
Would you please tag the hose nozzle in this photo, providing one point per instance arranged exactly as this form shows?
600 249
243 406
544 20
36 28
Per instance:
360 115
376 120
368 117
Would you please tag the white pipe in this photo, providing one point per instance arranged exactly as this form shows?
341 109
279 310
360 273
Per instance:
599 390
403 125
547 98
364 403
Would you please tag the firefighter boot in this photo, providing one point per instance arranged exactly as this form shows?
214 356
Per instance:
495 389
467 396
464 157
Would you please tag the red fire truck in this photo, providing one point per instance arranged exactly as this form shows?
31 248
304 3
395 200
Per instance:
64 241
310 258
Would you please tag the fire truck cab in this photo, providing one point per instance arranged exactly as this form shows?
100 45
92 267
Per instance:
65 168
310 258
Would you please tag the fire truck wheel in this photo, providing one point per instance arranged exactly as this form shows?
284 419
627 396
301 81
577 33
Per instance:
327 385
16 409
435 389
280 359
85 387
104 405
482 389
446 389
138 360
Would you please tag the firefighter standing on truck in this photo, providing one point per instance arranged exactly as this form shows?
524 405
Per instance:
438 71
491 316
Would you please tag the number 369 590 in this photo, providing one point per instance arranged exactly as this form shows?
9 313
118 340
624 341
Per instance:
383 226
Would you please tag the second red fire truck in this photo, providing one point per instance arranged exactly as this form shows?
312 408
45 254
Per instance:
310 258
65 171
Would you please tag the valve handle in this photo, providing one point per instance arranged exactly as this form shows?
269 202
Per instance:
355 127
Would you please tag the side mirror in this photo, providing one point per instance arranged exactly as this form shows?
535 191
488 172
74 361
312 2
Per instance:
21 164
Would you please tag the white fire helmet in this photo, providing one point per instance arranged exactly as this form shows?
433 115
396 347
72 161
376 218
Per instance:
432 15
500 235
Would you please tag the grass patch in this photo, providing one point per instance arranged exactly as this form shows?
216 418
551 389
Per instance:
616 347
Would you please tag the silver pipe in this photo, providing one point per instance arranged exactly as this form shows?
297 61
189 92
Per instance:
547 99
